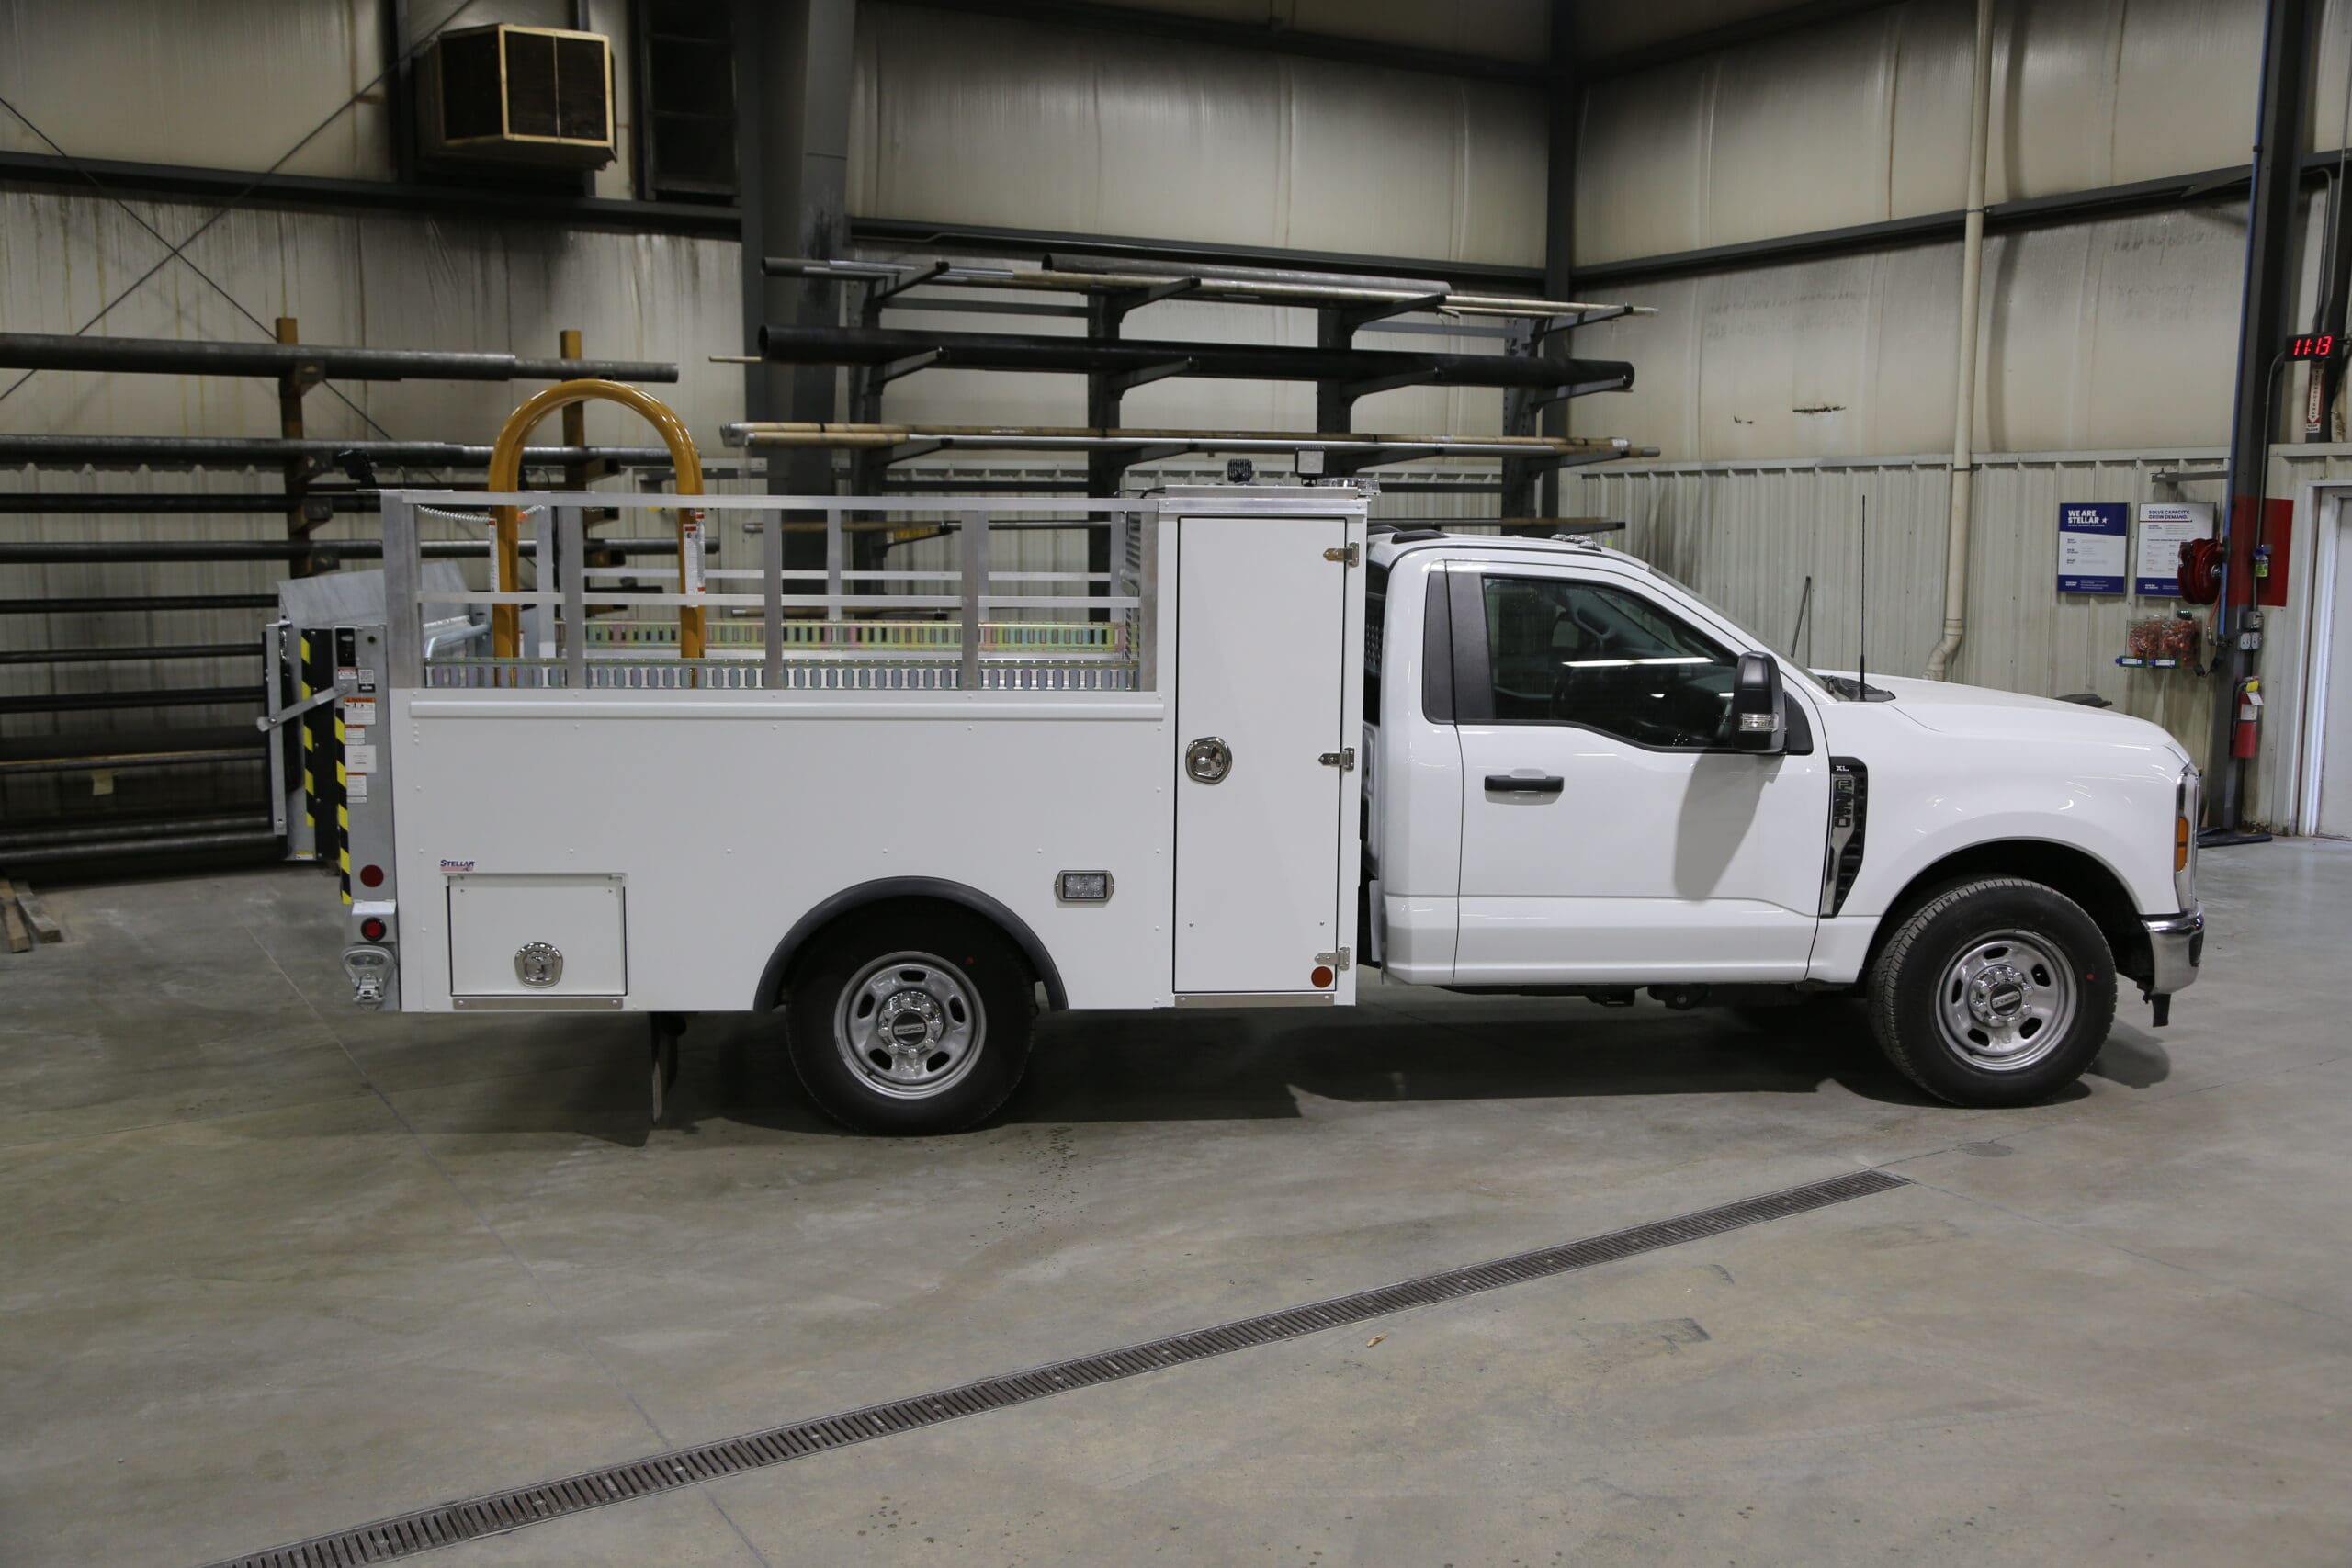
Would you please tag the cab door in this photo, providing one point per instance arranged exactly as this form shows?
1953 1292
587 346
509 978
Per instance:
1609 834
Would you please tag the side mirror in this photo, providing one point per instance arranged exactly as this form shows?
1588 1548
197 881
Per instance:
1759 706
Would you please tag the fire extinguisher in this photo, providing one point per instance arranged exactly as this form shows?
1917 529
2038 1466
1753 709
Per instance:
2249 723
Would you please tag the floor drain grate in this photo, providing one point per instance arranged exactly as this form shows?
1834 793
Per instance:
501 1511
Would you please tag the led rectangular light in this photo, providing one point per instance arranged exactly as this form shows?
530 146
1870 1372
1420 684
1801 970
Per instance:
1082 886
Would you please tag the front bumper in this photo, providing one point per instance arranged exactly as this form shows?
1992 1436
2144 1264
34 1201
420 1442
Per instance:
2175 948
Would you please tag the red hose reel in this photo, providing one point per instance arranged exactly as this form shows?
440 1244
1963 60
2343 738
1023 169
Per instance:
2201 570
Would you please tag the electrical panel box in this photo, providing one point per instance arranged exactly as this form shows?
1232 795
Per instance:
519 96
538 940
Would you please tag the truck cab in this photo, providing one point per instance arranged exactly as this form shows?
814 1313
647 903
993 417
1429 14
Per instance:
1580 778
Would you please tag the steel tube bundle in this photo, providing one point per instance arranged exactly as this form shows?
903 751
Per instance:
119 832
104 603
53 552
131 654
1270 286
768 432
177 843
160 697
67 351
132 451
59 503
1006 351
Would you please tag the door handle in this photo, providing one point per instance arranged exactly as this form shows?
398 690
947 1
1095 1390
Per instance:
1524 784
1207 761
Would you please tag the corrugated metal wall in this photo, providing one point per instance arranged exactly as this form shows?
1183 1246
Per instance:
974 119
1866 118
2096 335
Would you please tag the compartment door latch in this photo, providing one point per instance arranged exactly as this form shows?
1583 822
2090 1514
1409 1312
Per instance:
1344 759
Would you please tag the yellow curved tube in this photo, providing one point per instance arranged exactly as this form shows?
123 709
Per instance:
506 475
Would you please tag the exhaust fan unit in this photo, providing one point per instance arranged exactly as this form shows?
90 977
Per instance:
507 94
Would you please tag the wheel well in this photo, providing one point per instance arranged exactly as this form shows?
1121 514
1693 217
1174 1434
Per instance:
2067 870
910 897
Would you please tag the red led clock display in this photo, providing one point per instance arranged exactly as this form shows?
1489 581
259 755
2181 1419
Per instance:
2318 345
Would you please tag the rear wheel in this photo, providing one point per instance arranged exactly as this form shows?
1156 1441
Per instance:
911 1022
1995 992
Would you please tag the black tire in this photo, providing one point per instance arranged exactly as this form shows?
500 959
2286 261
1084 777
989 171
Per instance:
1956 991
893 987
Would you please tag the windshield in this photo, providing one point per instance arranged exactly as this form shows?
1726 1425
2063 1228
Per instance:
1845 688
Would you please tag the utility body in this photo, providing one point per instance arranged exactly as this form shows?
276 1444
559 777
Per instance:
1273 747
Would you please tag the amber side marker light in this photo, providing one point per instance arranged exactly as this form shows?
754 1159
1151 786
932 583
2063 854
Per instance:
2180 841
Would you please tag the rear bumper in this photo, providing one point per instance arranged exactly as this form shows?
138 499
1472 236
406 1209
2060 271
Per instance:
2175 948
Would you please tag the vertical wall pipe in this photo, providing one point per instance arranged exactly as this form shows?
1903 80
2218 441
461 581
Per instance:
1964 419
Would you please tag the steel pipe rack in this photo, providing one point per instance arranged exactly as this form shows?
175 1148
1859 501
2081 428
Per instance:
157 697
158 451
132 762
1361 370
314 362
102 603
66 503
1230 284
53 552
301 460
248 838
136 653
98 833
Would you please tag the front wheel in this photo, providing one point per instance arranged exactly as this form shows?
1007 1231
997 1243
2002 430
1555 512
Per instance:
1996 992
910 1024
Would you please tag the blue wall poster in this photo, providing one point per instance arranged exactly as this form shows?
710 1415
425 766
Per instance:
2094 546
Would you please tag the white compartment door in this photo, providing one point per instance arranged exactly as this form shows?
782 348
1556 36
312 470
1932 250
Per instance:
1261 619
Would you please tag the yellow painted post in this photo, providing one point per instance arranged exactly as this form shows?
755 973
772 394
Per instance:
506 475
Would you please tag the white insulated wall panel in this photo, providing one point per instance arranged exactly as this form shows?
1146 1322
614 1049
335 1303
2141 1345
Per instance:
1866 118
977 119
2093 336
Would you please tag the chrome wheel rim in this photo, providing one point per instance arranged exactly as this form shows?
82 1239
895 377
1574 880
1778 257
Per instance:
910 1025
2007 1001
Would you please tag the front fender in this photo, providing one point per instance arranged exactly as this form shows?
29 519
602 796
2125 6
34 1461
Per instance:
2119 812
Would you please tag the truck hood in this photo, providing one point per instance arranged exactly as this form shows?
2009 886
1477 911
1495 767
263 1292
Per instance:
1980 710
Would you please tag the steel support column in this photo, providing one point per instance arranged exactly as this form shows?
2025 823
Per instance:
795 63
1564 94
2330 316
2261 320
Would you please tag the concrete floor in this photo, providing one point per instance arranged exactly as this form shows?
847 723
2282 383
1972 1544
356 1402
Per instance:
269 1268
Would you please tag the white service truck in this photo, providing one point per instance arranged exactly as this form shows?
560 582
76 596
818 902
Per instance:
906 806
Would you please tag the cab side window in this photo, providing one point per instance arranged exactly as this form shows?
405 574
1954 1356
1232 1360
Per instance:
1605 659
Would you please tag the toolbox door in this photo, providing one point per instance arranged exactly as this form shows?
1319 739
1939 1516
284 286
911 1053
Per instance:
1262 698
